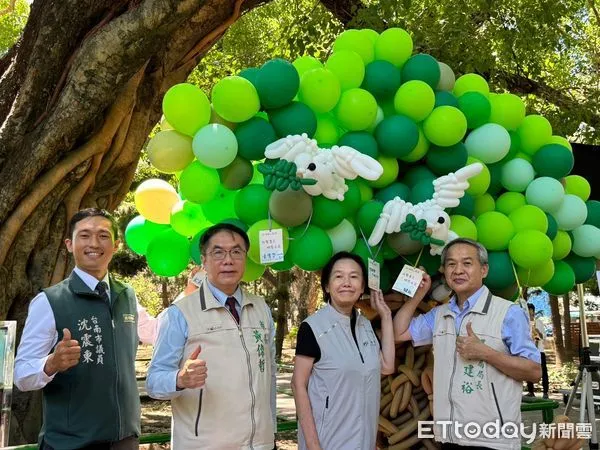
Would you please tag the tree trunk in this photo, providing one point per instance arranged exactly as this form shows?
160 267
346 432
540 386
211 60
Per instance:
283 298
79 94
567 322
558 338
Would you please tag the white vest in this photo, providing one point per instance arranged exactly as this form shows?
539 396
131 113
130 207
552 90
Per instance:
233 410
474 391
344 386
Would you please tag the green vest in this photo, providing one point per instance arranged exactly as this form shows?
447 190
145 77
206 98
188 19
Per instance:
97 400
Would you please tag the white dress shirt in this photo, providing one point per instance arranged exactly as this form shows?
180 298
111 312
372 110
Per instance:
40 336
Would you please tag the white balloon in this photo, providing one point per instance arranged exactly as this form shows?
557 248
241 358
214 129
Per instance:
447 77
343 237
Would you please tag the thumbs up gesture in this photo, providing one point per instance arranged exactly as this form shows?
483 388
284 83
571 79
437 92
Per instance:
66 355
193 373
470 347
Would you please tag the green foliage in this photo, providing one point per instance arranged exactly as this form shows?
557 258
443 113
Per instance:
561 377
12 24
147 292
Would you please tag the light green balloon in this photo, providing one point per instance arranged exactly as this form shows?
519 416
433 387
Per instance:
186 108
320 90
516 175
170 151
187 218
561 141
445 126
414 99
199 183
390 172
463 226
419 151
509 201
394 45
305 63
235 99
530 248
586 240
343 237
471 82
357 42
508 110
254 237
488 143
215 146
348 67
356 110
529 217
370 33
168 253
484 203
534 132
328 133
494 230
447 78
536 276
546 193
253 271
571 213
478 184
579 186
561 245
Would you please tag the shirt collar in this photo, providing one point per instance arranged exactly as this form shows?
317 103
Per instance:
468 304
91 281
221 297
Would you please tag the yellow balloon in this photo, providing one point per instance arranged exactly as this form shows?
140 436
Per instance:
154 200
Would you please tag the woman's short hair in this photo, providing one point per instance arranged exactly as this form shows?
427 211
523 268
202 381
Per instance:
326 271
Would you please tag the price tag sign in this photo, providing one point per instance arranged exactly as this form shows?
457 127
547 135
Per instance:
408 280
374 275
271 246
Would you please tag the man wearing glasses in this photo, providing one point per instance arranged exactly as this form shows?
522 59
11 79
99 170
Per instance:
214 357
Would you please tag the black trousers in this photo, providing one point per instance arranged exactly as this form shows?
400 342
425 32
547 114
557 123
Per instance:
130 443
448 446
544 377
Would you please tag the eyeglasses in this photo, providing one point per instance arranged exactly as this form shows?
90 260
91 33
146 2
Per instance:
235 253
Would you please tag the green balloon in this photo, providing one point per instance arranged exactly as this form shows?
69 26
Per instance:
277 83
382 79
170 151
362 141
343 236
494 230
534 131
390 172
586 240
348 67
507 110
356 110
253 271
235 99
392 191
516 175
254 237
420 149
476 108
186 108
140 232
284 265
187 218
221 207
416 174
355 41
397 136
536 276
367 217
215 145
471 82
479 184
295 118
443 160
199 183
310 247
320 89
571 213
500 274
583 268
447 78
562 281
484 203
510 201
237 222
328 132
515 146
365 252
305 63
445 98
490 142
579 186
545 193
431 263
463 226
394 45
553 160
168 253
422 191
414 99
529 217
552 226
371 34
422 67
561 245
530 248
352 198
445 126
593 213
327 213
495 179
250 74
253 136
466 206
195 247
237 174
252 203
402 244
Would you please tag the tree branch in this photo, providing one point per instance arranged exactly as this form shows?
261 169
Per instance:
343 10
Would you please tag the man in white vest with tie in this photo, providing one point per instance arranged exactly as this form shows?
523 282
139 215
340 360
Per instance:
483 352
215 355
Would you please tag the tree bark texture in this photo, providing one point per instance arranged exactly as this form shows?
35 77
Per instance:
558 336
79 94
567 321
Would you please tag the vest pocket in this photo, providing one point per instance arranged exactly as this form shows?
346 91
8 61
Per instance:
319 433
497 404
199 410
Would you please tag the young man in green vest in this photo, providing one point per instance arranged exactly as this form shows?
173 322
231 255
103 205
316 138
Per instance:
79 346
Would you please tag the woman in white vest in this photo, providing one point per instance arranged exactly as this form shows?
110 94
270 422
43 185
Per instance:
339 362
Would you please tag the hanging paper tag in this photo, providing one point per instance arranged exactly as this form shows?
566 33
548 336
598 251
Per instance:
271 246
374 276
408 280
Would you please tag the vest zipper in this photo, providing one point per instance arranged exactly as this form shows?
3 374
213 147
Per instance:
450 387
497 404
112 320
199 410
252 396
323 415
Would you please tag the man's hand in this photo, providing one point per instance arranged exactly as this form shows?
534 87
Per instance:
470 347
424 286
66 355
193 373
